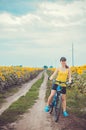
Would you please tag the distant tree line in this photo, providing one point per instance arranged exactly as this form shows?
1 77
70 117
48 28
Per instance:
46 67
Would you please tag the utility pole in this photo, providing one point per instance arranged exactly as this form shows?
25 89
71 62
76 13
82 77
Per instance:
72 54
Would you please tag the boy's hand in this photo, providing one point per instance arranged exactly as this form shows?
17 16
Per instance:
68 84
71 82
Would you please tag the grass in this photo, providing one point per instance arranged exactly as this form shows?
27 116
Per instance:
7 93
49 85
22 104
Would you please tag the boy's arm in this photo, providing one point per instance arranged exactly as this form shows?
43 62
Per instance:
69 75
54 74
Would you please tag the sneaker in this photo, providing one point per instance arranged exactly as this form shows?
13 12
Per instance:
65 114
47 108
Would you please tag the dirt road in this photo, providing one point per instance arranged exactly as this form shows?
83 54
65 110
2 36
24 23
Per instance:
21 92
36 118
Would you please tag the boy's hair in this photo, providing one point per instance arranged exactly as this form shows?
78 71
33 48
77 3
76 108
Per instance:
63 59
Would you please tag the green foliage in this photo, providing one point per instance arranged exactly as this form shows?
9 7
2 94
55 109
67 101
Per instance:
51 67
49 85
45 67
76 96
80 82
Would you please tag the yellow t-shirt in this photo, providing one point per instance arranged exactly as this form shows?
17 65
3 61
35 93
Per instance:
62 76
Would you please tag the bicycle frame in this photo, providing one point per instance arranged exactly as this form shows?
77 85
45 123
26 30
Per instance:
58 93
56 104
57 101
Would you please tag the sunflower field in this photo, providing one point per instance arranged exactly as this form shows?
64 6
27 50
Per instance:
16 75
75 69
78 69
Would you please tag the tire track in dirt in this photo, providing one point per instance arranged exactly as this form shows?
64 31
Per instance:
36 118
25 87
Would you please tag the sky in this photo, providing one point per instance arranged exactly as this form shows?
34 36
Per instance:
39 32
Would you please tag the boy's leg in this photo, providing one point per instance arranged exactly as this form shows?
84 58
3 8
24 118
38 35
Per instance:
47 108
51 97
53 91
65 114
64 102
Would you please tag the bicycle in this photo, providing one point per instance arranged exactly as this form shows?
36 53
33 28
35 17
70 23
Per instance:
55 106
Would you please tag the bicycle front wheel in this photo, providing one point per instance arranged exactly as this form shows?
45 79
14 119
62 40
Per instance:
57 109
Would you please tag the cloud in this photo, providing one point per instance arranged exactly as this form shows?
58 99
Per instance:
61 14
48 12
47 32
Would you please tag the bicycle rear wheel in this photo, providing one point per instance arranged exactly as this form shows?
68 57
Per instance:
57 109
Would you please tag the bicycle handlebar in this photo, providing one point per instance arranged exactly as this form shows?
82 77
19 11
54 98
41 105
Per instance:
67 83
